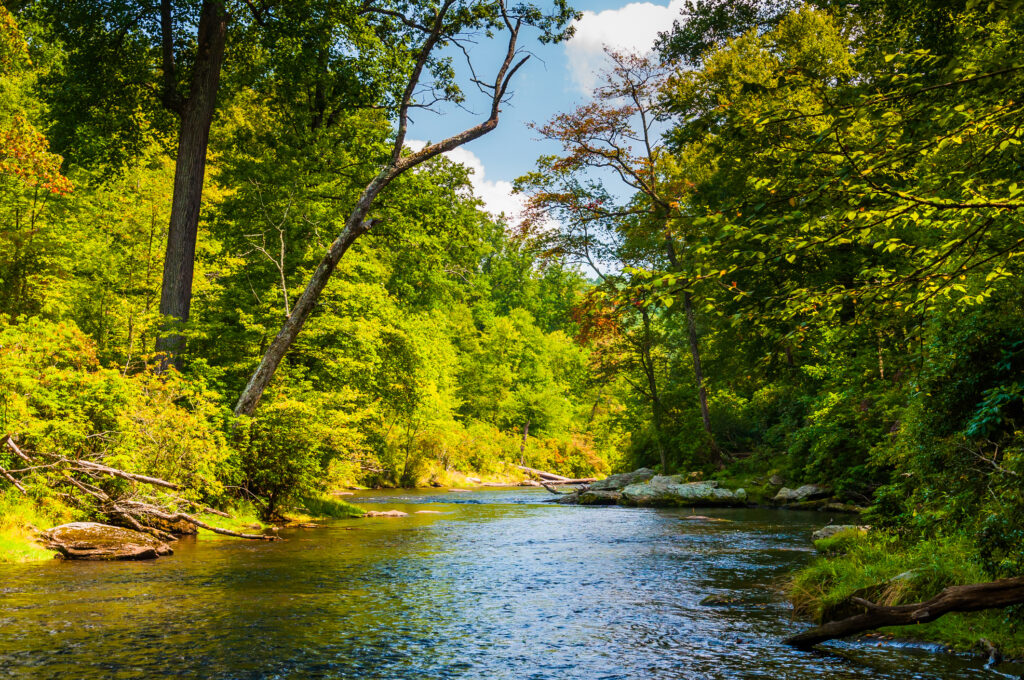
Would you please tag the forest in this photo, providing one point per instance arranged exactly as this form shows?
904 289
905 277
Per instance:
786 242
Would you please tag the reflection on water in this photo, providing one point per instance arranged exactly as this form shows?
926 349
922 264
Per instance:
498 585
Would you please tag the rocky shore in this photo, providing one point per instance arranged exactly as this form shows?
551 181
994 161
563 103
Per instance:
646 488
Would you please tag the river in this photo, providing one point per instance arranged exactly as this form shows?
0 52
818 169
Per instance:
497 585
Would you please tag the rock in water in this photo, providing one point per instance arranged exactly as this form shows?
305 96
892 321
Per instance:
807 492
671 491
94 541
599 497
621 481
386 513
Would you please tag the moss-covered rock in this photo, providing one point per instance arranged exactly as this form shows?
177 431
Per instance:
803 494
94 541
672 491
621 481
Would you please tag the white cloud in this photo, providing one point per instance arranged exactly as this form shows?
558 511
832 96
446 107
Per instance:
632 28
496 195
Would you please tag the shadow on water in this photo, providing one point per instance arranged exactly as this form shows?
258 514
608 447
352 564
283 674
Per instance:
490 584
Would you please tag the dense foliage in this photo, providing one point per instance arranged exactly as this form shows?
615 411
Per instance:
442 348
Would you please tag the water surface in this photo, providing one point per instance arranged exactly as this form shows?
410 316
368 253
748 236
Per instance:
491 584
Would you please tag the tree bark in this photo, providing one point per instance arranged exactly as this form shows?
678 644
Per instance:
196 114
354 227
977 596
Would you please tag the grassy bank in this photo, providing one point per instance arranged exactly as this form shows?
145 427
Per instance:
888 571
19 517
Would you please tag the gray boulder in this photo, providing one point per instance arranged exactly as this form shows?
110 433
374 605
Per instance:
621 481
94 541
807 492
671 491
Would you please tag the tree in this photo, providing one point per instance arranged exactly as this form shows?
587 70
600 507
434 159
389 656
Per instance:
432 29
150 67
617 134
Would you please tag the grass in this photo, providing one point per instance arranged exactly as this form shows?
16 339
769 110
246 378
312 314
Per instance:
325 507
19 517
887 571
840 543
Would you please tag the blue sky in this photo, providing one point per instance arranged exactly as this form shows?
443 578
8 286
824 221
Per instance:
557 78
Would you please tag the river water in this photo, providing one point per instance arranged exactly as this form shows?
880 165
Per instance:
488 584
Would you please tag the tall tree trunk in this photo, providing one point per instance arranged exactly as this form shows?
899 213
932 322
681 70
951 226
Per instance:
522 447
355 224
698 367
354 227
190 168
698 374
647 361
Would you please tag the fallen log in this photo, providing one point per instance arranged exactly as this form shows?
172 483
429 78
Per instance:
10 478
9 442
969 598
550 476
143 509
555 491
200 507
121 474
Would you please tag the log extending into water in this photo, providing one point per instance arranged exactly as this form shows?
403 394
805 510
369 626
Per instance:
552 489
547 476
144 509
552 478
970 598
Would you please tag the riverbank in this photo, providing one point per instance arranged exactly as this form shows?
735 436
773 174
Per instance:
883 569
479 584
22 519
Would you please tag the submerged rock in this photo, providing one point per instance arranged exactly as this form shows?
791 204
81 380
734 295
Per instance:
94 541
621 481
807 492
718 600
704 518
671 491
386 513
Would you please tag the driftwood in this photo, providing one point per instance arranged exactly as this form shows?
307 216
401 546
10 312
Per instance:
993 595
552 489
137 515
546 476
